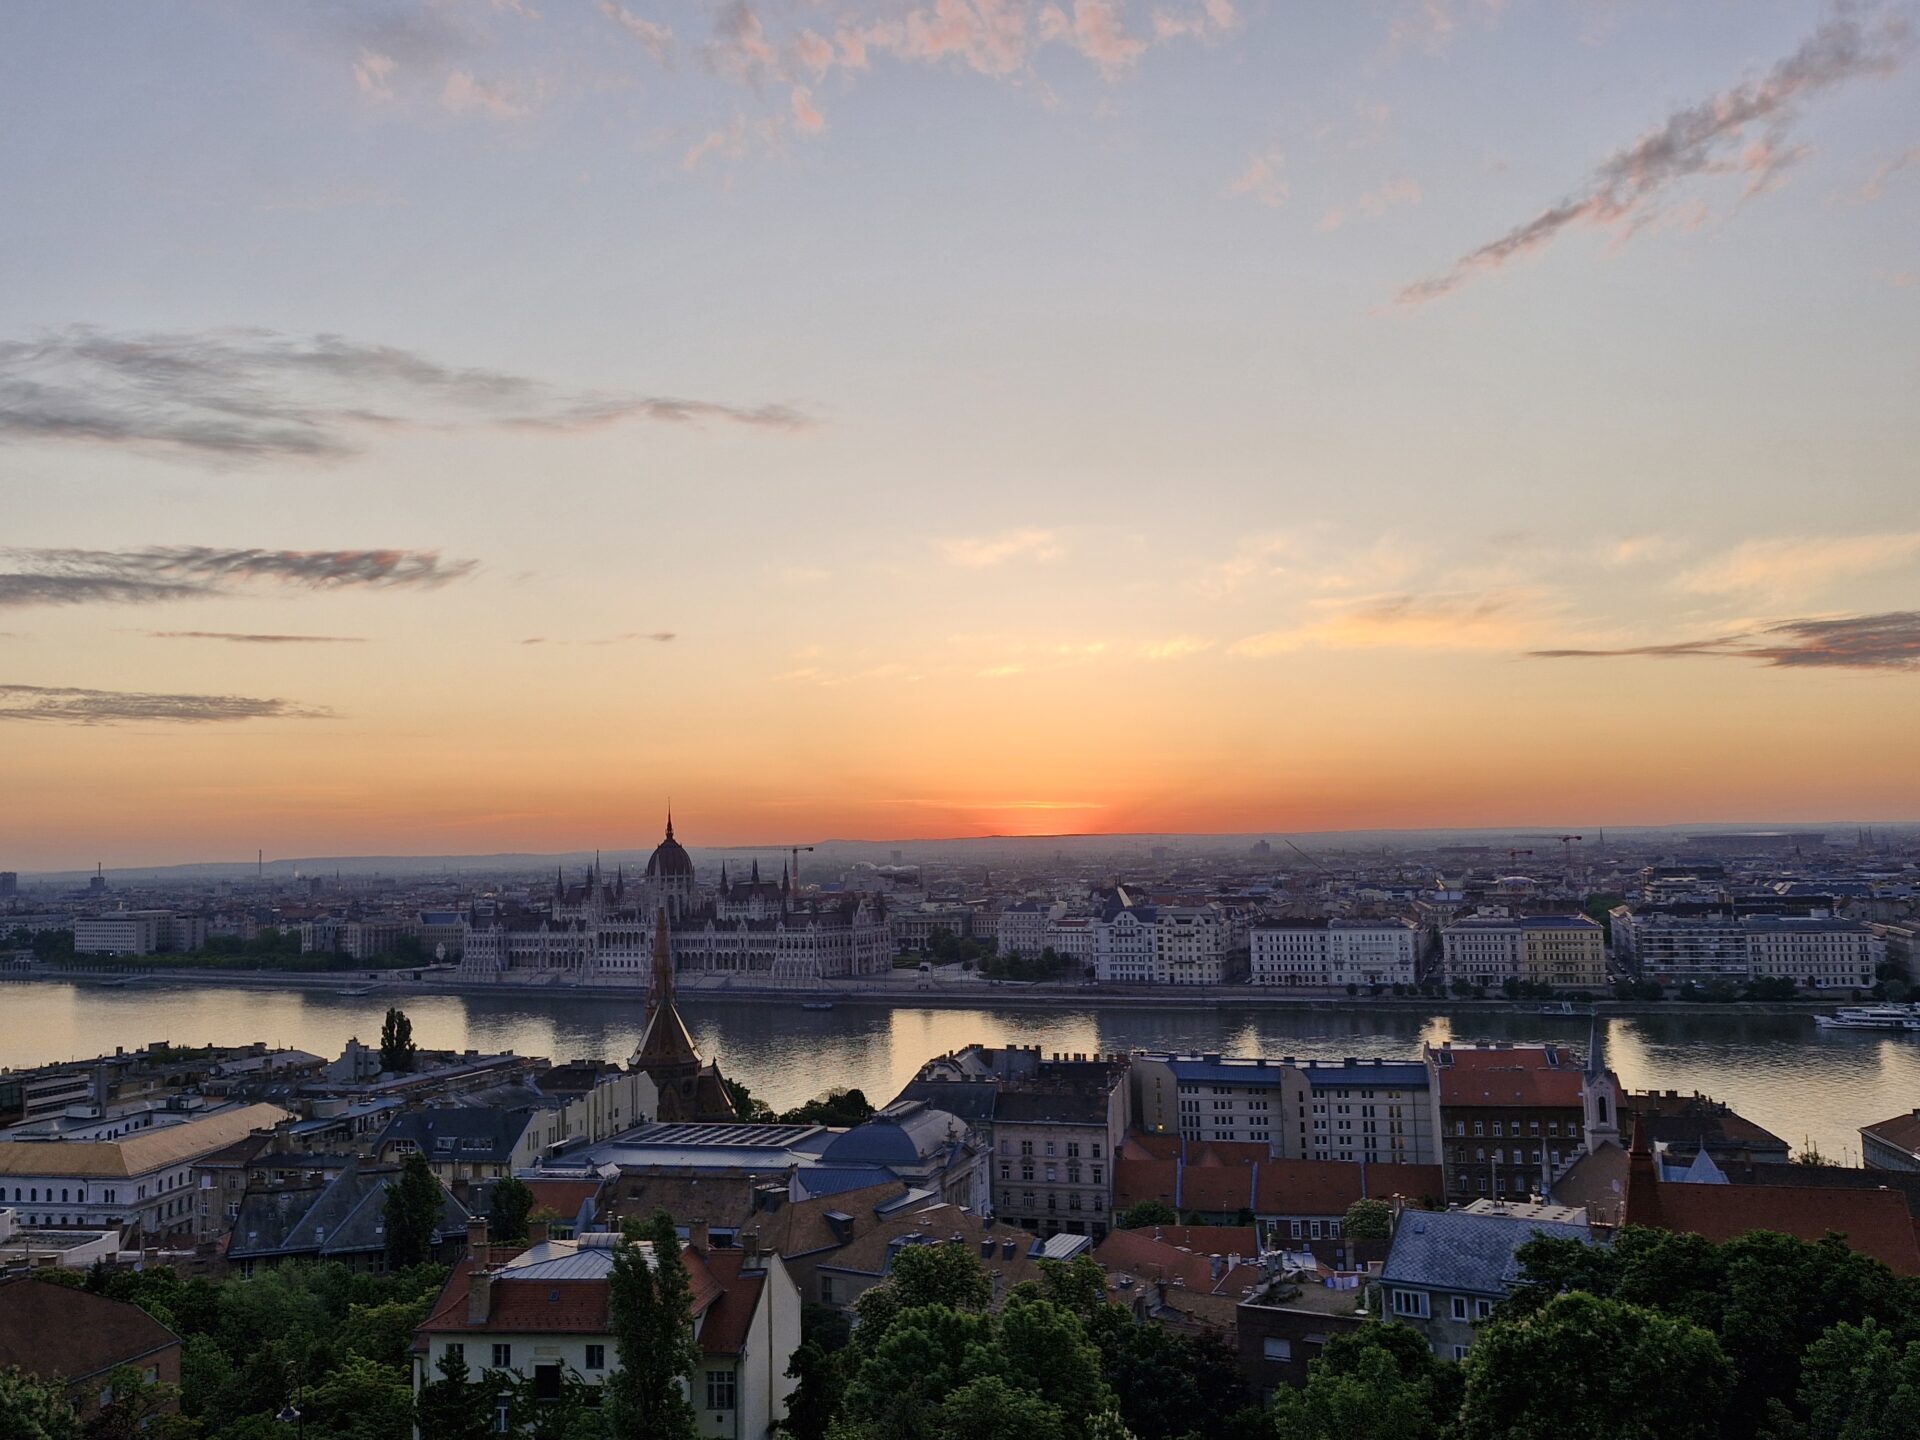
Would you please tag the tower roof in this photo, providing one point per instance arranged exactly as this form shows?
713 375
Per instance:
670 859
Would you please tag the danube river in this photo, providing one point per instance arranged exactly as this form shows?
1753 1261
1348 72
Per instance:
1802 1083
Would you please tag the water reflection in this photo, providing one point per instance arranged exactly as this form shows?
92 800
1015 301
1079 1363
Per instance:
1802 1083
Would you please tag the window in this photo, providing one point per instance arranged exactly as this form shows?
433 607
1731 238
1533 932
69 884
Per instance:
456 1351
596 1357
1294 1226
502 1356
1482 1309
1460 1352
1273 1347
1412 1303
721 1393
1459 1307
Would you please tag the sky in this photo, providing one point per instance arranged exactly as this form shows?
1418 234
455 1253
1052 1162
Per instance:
466 425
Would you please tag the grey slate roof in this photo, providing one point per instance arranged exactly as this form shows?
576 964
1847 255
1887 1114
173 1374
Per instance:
346 1216
971 1100
1472 1254
457 1132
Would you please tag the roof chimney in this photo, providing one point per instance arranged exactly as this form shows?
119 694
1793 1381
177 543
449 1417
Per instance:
538 1231
477 1236
479 1297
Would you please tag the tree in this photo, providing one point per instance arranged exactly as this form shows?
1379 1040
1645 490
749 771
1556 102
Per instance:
359 1399
1380 1382
397 1050
816 1400
1147 1212
834 1107
990 1409
412 1213
453 1407
508 1209
750 1110
1368 1220
940 1275
650 1300
1627 1372
35 1409
1860 1383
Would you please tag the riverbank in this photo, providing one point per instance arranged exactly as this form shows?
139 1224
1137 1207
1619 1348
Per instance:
904 990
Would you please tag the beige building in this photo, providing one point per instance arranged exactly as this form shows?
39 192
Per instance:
1567 952
542 1312
142 1185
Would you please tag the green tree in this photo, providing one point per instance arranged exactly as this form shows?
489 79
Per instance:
1626 1372
1859 1382
1147 1212
397 1050
508 1210
988 1408
412 1213
815 1402
35 1409
750 1110
1368 1220
651 1304
900 1376
1380 1382
835 1107
453 1407
359 1399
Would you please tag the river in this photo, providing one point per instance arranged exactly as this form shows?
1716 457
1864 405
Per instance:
1802 1083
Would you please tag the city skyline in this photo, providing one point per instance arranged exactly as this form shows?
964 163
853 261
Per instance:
456 428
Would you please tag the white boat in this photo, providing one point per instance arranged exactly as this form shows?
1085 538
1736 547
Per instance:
1871 1017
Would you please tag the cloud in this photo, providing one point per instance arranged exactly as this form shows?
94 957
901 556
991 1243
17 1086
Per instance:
1625 191
1799 565
1492 619
68 705
1179 647
1203 22
1261 179
1877 182
247 639
1254 557
657 637
464 92
806 118
996 549
178 572
249 395
656 38
373 72
1888 641
1373 204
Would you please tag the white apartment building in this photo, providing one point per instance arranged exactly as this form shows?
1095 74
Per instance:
1817 954
1023 928
1332 954
1480 951
1124 945
1565 951
1192 945
142 1183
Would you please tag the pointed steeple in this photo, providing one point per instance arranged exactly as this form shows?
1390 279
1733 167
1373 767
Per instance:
669 820
666 1051
756 870
723 877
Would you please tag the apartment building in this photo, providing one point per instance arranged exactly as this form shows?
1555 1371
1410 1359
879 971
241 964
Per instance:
543 1310
1192 945
1816 954
1333 954
1563 951
137 932
1447 1270
1125 948
1377 1111
142 1184
1512 1118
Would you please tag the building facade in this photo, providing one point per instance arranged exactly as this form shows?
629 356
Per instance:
1333 954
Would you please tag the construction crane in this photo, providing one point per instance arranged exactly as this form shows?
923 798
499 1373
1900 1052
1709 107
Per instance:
793 871
1513 855
1566 845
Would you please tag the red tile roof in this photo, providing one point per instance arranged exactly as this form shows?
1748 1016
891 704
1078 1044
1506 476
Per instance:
1270 1187
563 1197
1510 1076
1874 1222
1902 1131
50 1330
727 1323
1137 1253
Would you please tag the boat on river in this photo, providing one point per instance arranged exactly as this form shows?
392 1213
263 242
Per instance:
1871 1017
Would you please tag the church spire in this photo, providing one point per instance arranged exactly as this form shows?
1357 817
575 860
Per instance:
660 992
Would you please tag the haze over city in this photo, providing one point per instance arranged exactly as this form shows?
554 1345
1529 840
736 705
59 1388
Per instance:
459 428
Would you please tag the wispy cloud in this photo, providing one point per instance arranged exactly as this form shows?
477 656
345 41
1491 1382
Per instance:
1254 557
178 572
1373 204
1799 565
69 705
1625 191
248 395
1877 182
997 549
1261 179
465 92
1888 641
656 38
1467 621
1180 647
242 638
